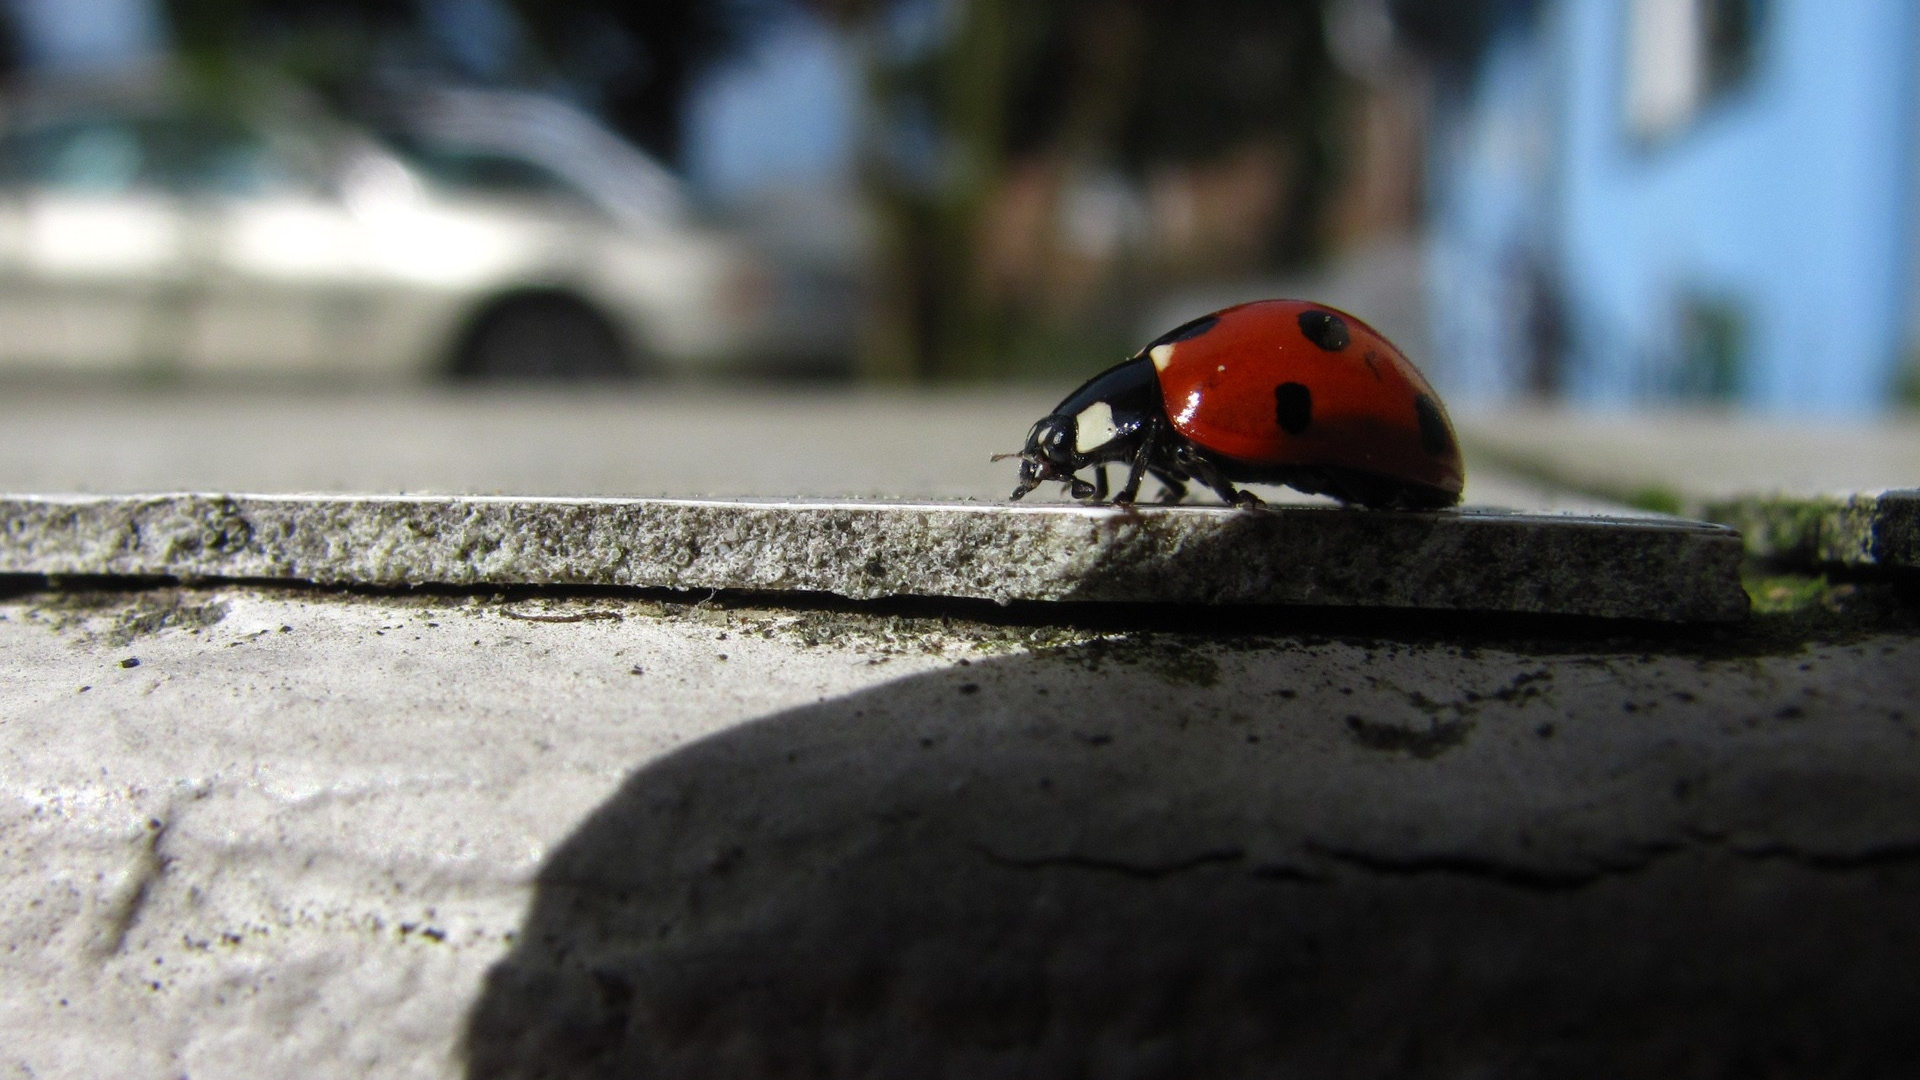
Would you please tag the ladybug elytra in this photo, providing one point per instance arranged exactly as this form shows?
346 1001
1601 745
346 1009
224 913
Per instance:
1272 392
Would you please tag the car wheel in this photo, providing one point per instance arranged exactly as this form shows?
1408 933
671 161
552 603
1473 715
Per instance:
542 337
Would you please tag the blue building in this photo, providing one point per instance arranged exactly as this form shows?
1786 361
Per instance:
1648 200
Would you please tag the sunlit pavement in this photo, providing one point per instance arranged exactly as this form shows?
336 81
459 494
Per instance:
662 440
1699 454
645 440
265 830
806 440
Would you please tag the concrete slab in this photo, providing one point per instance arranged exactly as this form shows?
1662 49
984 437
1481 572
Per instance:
272 832
1802 493
1864 530
1467 561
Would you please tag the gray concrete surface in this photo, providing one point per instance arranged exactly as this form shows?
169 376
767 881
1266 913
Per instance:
1698 454
644 440
1460 561
260 832
253 833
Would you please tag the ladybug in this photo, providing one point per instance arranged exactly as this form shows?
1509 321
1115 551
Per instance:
1273 392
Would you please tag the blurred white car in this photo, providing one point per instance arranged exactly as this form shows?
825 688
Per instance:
476 234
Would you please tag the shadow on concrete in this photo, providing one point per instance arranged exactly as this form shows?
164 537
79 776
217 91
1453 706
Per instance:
1173 860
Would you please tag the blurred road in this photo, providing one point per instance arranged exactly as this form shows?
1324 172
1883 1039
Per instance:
642 439
638 440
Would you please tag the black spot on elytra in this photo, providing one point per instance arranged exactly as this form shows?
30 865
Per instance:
1293 407
1435 439
1325 329
1184 332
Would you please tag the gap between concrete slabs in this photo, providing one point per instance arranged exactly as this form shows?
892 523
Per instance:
1469 560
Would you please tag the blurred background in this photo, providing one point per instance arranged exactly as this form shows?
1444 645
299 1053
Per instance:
1599 202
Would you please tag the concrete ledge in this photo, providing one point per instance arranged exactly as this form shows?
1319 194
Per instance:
1470 560
1864 530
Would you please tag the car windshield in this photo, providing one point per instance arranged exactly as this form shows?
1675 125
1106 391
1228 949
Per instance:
483 171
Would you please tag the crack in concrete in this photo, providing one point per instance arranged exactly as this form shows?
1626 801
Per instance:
1869 858
584 616
1537 878
1493 869
1138 871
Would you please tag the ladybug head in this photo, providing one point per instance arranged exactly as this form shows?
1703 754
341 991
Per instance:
1106 420
1050 455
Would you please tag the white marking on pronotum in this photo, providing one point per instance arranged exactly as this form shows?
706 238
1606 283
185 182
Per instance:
1162 356
1094 427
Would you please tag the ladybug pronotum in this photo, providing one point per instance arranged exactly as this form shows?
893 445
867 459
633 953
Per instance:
1273 392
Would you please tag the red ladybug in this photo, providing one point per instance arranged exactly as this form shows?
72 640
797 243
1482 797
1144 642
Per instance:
1273 392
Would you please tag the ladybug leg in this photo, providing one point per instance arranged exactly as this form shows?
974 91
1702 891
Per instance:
1136 470
1198 467
1224 488
1236 497
1172 489
1100 482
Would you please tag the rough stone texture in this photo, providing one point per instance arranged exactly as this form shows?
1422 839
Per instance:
1485 561
252 833
1868 530
314 835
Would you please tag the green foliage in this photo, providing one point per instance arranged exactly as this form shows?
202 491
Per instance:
1801 606
223 44
1088 85
1906 388
1786 594
639 59
1658 499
